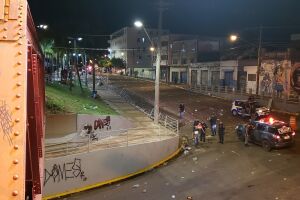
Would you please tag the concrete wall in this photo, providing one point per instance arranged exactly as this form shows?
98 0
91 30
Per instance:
117 122
74 172
60 125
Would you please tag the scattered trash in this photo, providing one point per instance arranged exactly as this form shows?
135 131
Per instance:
270 160
278 154
284 179
189 197
195 159
249 186
173 196
193 171
252 173
118 185
196 110
276 198
235 153
165 163
188 148
136 186
144 190
182 177
186 152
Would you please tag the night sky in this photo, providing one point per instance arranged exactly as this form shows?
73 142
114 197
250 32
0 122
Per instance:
203 17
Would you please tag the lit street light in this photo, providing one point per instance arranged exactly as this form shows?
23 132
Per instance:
76 60
234 38
139 24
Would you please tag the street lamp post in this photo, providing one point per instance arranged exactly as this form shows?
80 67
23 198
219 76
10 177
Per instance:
76 62
139 24
234 38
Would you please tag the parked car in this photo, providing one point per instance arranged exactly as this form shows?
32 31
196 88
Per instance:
269 133
242 108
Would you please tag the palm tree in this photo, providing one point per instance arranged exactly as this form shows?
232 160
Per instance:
47 48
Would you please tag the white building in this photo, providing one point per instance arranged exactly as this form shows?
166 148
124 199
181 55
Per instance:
133 45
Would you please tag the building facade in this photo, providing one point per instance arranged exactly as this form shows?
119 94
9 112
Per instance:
132 45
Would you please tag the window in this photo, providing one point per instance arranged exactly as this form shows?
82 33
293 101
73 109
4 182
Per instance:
184 61
164 57
138 40
175 61
164 43
251 77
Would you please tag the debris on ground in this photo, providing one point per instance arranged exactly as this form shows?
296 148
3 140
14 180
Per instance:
136 186
182 177
252 173
189 197
284 179
235 153
165 163
167 183
186 152
195 159
270 160
144 190
278 154
173 196
118 185
193 171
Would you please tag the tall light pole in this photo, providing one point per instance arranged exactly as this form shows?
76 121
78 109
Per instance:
139 24
234 38
76 62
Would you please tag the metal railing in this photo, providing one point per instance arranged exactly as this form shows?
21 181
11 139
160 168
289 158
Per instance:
292 98
90 142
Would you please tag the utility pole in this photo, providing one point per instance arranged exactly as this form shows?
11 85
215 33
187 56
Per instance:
76 65
258 60
158 59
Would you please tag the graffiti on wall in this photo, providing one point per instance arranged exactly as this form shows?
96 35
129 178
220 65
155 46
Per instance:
6 121
275 77
64 172
295 77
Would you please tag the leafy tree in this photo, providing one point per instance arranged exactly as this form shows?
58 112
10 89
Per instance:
118 62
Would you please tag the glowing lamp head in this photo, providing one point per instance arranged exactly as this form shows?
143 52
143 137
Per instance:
152 49
138 24
233 38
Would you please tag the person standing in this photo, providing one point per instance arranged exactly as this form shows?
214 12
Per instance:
202 132
248 128
221 131
181 110
213 125
196 133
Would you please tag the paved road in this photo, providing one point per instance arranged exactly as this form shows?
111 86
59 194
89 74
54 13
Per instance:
212 171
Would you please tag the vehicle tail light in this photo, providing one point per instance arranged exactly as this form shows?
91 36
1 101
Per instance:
294 133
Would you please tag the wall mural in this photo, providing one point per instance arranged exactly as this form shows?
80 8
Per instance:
64 172
295 77
275 77
6 121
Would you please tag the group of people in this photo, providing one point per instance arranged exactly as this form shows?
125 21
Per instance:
200 128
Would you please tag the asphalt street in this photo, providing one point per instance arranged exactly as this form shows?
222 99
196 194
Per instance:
212 171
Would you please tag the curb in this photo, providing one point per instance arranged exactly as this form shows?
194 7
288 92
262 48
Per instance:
155 165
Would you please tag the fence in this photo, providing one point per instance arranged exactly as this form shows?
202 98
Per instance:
89 142
292 98
135 100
